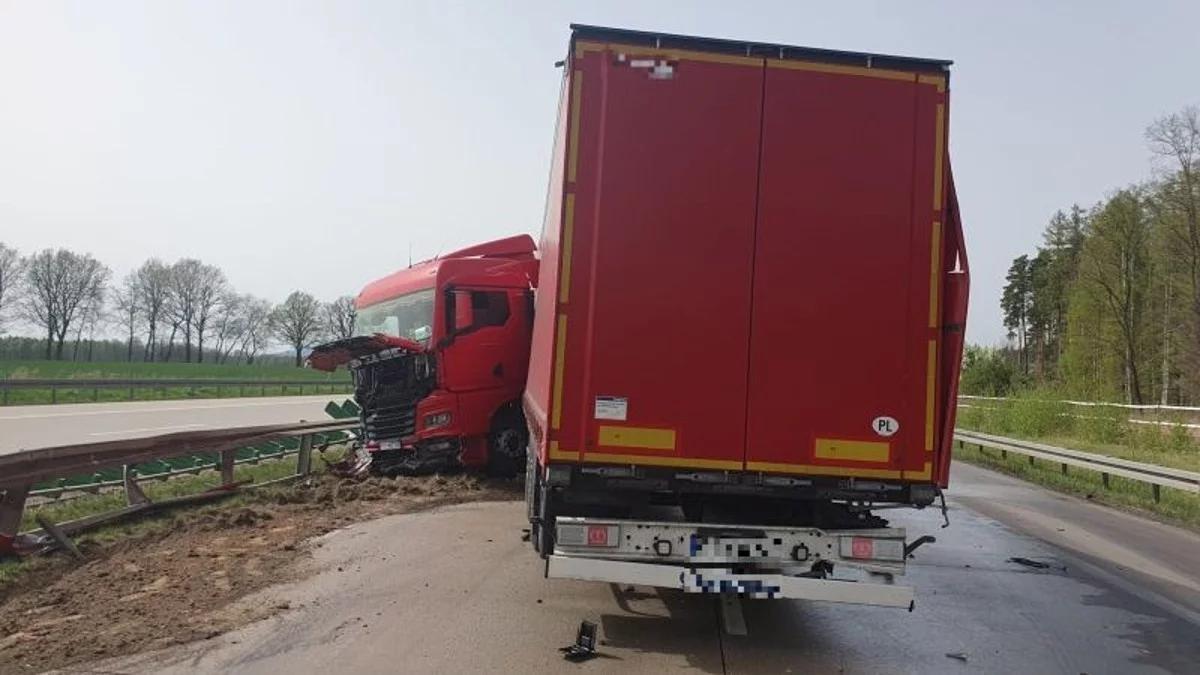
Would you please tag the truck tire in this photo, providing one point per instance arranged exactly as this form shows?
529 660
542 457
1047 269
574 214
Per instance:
507 442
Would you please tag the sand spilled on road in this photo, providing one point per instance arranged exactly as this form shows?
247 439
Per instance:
180 583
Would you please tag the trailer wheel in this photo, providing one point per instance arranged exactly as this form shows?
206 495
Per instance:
506 444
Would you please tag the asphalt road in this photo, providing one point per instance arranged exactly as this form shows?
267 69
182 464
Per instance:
39 426
456 590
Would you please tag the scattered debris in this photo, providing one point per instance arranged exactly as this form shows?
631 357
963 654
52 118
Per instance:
1036 564
957 656
585 644
1029 563
179 581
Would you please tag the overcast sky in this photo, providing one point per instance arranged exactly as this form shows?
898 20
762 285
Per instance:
309 144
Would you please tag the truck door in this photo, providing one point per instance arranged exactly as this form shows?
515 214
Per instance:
670 142
841 344
476 356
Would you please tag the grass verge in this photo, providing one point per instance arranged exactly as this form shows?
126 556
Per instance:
1176 506
266 381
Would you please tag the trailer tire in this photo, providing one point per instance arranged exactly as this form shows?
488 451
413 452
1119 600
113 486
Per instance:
507 444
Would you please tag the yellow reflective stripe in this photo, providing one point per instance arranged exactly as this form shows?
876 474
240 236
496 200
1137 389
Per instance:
936 80
667 53
852 451
637 437
564 281
930 386
775 467
573 142
560 353
556 453
653 460
924 474
935 274
938 150
837 69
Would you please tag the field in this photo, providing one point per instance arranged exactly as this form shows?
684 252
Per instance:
1100 430
265 378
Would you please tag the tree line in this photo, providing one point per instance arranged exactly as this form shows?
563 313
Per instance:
181 311
1108 306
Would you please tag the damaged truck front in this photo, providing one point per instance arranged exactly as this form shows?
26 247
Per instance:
439 358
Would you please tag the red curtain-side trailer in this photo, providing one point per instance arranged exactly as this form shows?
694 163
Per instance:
753 283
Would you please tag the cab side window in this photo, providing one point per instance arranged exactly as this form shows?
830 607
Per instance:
490 308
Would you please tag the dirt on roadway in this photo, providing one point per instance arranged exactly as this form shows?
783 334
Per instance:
179 583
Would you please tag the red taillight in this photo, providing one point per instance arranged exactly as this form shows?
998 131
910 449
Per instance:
861 547
597 535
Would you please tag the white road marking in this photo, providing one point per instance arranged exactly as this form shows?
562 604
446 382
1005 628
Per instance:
305 400
143 429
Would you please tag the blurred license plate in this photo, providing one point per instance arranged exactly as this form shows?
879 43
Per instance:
392 444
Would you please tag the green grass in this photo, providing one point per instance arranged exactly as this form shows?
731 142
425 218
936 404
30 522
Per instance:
322 383
1178 506
1102 430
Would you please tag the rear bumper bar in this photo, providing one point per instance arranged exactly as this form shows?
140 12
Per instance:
722 580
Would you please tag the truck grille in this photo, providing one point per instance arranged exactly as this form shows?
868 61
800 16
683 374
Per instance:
390 421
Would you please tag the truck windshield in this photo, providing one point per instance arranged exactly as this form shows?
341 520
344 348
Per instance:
408 316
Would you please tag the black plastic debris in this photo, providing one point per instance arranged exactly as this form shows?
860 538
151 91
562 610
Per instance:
1037 564
585 644
959 656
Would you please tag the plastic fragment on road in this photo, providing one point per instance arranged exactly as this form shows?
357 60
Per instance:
585 644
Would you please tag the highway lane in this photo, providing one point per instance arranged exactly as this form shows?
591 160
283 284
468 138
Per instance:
36 426
455 590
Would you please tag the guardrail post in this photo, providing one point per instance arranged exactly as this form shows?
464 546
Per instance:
12 507
95 394
226 467
304 457
6 396
133 491
1157 490
53 394
1104 479
1064 469
131 392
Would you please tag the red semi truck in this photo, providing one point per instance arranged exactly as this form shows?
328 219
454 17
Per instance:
439 360
752 297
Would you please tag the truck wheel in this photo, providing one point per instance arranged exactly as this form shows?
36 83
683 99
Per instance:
506 446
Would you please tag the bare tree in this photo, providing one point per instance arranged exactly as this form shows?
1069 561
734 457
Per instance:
256 331
227 325
211 287
127 303
91 315
60 284
10 275
339 317
153 282
184 294
297 322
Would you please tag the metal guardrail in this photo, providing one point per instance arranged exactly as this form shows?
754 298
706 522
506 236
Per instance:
1157 476
21 472
162 384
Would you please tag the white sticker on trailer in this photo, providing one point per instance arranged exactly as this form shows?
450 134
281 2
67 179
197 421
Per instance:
612 408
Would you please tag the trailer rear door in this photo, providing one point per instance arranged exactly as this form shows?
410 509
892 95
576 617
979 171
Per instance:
669 221
841 350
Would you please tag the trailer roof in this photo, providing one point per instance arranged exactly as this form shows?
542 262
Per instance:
762 49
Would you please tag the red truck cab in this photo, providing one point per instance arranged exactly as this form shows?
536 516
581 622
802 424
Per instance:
439 360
